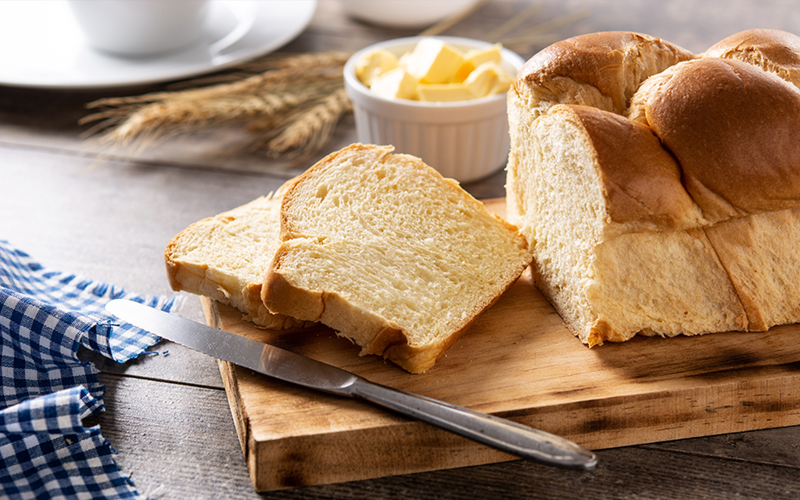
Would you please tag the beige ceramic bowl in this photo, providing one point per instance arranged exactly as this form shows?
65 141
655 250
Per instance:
464 140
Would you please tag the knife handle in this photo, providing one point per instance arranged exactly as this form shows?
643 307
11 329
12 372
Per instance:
501 434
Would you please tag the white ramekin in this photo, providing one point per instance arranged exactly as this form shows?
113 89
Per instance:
464 140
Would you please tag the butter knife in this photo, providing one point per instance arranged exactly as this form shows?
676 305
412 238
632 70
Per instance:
504 435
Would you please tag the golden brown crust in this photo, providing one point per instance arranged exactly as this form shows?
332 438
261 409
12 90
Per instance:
613 63
642 181
419 360
733 129
376 327
219 277
775 51
278 294
730 125
171 266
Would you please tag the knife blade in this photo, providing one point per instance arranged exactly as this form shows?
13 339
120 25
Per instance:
505 435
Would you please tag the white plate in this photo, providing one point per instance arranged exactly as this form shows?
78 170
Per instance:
41 45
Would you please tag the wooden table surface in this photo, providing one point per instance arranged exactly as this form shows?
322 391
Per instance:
168 415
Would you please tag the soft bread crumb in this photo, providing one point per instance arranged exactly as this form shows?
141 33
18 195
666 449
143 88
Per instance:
388 253
226 257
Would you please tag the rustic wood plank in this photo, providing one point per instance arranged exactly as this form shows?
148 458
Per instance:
779 446
699 398
624 473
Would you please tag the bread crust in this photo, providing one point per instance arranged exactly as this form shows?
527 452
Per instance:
641 180
602 70
222 281
733 129
772 50
373 333
279 294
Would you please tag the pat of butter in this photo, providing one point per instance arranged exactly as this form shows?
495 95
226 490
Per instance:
476 57
463 72
374 64
504 81
434 71
396 84
433 61
486 80
444 92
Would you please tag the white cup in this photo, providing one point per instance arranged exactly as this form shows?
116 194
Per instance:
140 27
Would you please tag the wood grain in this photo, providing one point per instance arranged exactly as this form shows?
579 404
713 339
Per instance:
520 362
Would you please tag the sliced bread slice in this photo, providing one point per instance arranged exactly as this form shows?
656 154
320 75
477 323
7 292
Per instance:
384 250
226 257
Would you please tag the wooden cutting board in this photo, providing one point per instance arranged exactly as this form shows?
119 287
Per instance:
519 362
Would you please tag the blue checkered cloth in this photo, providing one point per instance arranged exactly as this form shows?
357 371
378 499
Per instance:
45 316
47 453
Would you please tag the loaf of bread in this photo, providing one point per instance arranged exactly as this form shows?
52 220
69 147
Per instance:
660 190
226 258
385 251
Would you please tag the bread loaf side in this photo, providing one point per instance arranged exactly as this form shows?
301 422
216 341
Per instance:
663 216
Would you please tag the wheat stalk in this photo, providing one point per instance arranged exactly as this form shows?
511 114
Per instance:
290 87
307 130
